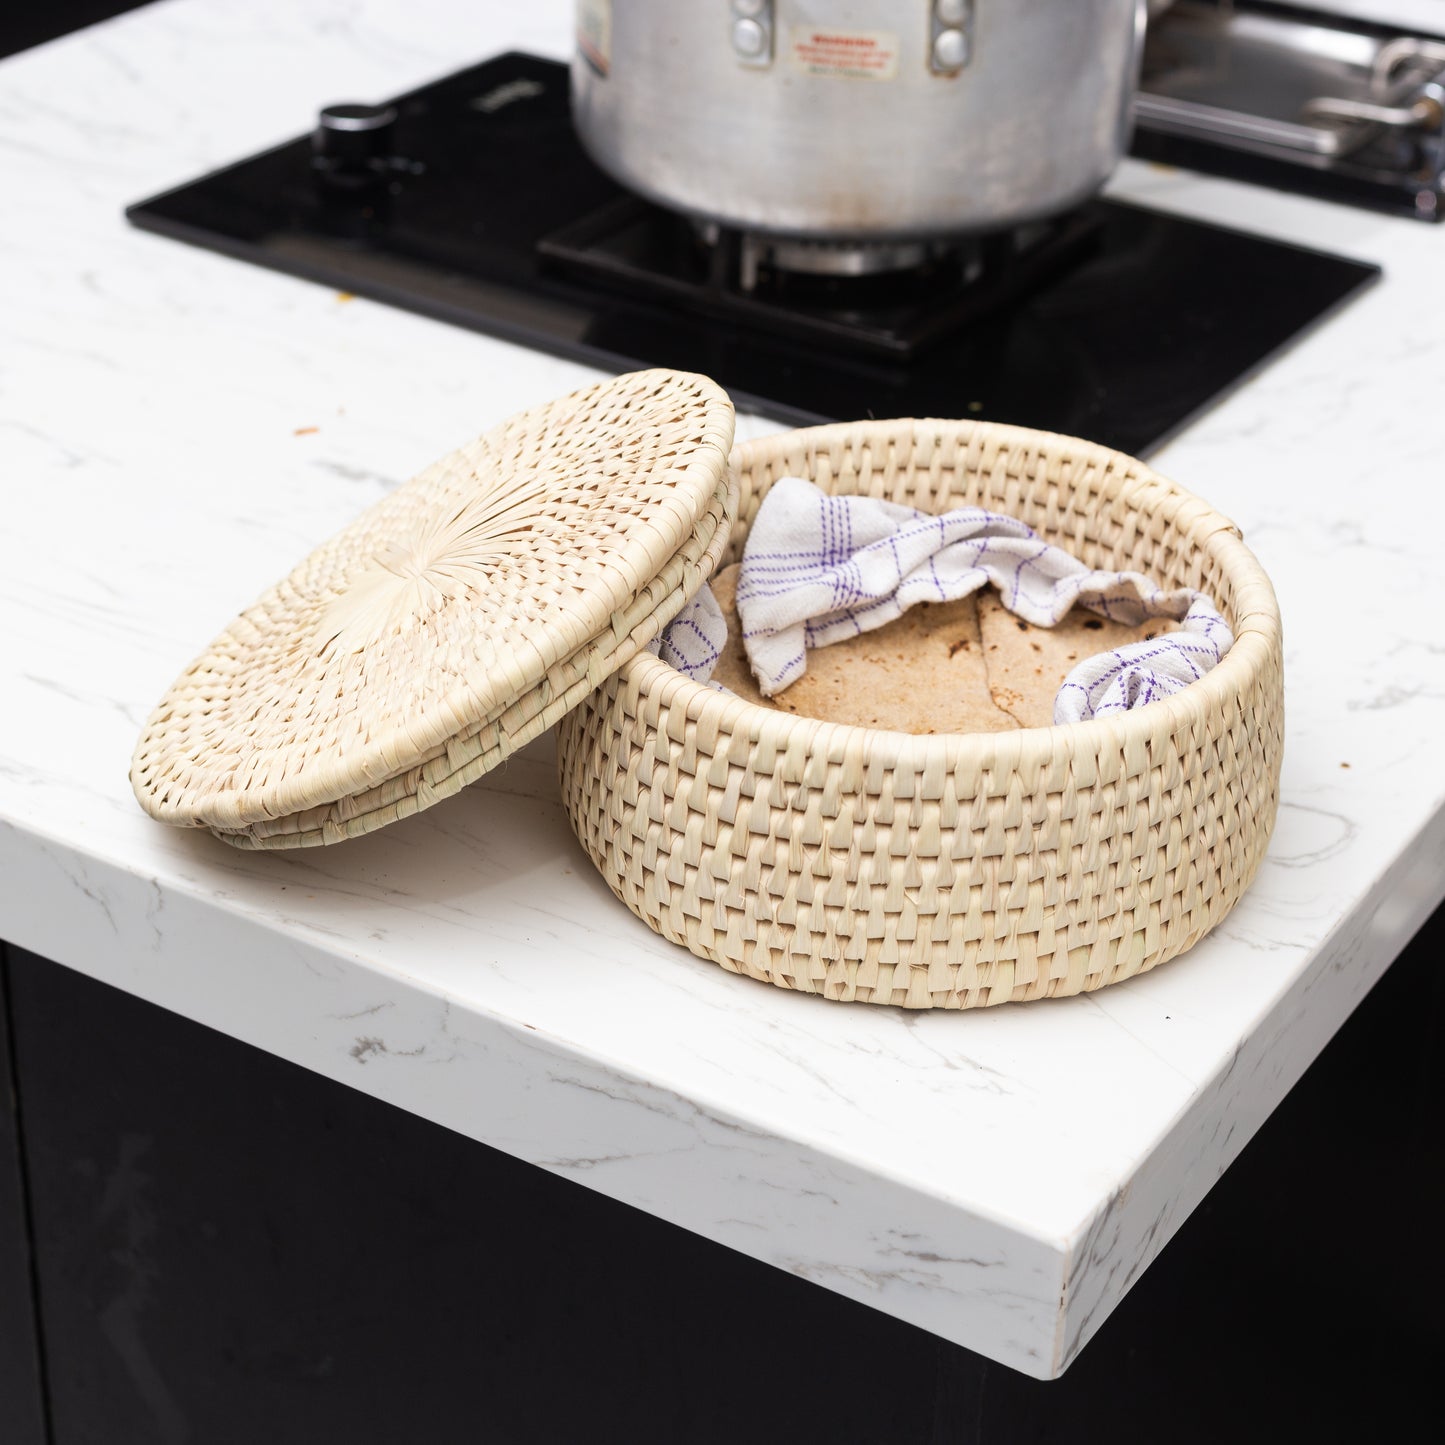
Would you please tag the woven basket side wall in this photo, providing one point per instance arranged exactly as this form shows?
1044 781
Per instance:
856 878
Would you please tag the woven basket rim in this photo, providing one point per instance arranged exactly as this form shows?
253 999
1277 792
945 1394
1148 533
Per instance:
1256 625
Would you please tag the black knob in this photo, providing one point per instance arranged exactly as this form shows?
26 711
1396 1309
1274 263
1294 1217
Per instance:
351 144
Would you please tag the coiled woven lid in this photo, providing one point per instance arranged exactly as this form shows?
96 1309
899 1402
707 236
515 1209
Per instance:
476 593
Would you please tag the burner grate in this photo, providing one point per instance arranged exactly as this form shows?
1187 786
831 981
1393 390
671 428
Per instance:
642 250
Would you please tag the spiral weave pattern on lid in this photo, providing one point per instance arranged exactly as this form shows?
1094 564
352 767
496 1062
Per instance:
439 630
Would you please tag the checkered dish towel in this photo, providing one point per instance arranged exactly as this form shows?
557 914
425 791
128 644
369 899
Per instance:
819 568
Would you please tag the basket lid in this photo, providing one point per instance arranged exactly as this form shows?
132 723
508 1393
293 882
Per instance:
452 621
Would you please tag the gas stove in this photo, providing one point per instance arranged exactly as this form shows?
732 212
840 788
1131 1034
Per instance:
471 200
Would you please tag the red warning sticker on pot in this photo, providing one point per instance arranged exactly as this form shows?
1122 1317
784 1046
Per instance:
847 54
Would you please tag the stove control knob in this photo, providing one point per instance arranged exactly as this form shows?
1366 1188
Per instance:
351 144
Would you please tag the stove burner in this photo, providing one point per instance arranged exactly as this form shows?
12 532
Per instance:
802 256
471 200
888 301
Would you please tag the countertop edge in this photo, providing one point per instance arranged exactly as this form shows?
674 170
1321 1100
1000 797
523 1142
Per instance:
1111 1250
883 1241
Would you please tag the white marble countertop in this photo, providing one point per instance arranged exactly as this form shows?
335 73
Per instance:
176 429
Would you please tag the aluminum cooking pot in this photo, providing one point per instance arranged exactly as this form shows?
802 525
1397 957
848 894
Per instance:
858 119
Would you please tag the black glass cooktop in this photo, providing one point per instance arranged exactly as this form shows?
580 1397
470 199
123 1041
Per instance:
471 200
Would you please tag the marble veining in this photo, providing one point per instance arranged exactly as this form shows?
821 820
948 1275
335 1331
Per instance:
176 429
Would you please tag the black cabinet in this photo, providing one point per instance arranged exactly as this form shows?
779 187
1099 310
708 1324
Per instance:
21 1391
230 1249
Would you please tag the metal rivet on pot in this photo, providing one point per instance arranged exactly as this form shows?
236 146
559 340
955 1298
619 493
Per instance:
750 8
949 12
950 50
749 38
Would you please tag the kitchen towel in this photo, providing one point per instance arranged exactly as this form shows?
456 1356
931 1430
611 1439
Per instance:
818 568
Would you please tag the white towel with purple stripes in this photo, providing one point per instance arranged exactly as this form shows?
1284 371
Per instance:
818 568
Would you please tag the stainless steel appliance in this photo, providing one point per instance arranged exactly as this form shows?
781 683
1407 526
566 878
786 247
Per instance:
858 120
1331 106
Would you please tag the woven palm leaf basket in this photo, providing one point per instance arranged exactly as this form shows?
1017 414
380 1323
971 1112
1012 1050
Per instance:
947 871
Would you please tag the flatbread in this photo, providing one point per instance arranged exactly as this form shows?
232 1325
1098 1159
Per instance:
1027 664
943 667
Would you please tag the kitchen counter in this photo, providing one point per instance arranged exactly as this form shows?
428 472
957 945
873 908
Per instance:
177 429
